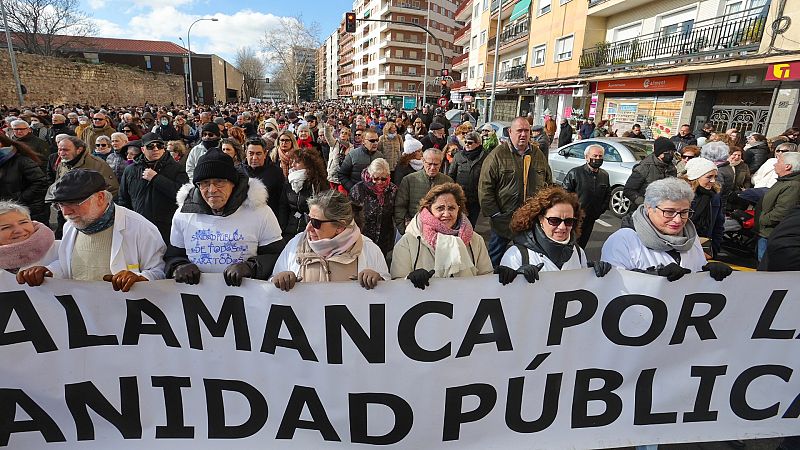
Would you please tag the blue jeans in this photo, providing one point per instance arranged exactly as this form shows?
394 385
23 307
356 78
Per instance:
762 248
497 247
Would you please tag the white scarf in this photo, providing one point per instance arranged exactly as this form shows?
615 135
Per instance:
415 164
296 179
451 256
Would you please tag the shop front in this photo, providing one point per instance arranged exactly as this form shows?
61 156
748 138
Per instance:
655 103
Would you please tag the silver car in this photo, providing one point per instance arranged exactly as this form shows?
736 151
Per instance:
620 157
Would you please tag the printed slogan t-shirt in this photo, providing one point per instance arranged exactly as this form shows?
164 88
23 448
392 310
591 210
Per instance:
214 242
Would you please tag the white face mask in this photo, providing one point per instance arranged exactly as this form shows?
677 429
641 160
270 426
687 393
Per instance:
416 164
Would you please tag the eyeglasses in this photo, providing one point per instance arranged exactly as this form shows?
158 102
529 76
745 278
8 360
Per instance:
380 178
70 205
687 157
284 140
317 223
96 119
98 144
154 145
126 130
19 129
569 222
671 213
208 135
372 140
218 183
469 142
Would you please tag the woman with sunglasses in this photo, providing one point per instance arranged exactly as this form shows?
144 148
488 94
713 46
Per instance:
330 249
466 171
306 178
132 131
546 229
373 199
662 240
687 153
440 241
284 150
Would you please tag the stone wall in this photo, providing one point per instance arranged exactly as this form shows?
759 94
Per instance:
61 81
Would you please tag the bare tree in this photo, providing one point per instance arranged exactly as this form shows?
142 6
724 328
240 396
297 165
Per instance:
253 70
48 27
291 45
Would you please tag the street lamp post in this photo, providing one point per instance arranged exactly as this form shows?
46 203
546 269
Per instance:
11 56
189 44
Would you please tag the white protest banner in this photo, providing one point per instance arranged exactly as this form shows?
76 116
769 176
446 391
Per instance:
572 361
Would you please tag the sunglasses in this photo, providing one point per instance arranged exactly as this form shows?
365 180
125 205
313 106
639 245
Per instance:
569 222
687 157
317 223
380 179
127 130
372 140
100 145
469 142
154 145
97 119
208 135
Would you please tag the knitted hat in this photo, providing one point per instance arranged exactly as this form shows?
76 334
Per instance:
411 145
663 145
211 127
215 164
697 167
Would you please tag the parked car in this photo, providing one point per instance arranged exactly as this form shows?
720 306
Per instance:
621 154
455 116
501 129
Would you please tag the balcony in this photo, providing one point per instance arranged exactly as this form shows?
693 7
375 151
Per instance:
458 84
727 36
516 73
605 8
511 36
463 32
401 6
459 59
463 8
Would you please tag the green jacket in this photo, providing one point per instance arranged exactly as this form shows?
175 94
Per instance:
781 198
411 190
500 186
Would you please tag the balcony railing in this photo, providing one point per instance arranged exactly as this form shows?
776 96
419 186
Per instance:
511 33
460 33
405 4
464 5
460 58
515 73
729 35
458 84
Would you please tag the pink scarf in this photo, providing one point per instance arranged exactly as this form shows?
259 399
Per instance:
27 252
431 227
336 245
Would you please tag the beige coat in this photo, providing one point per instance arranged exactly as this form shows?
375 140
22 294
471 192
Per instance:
412 252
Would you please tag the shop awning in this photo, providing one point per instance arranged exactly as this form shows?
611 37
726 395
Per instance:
520 9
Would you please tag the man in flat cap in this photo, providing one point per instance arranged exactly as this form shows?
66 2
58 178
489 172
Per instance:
540 137
101 241
223 225
435 137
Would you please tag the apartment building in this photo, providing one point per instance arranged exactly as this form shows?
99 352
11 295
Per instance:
331 85
390 59
345 63
321 79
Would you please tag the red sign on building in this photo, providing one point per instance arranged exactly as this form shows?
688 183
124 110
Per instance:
783 71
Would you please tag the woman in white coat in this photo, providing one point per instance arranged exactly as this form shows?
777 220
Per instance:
330 249
663 241
546 229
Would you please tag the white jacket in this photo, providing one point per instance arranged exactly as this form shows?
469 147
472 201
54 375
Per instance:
136 245
371 258
625 250
194 156
513 259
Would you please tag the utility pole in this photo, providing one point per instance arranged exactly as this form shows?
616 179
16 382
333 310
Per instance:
11 55
425 75
490 117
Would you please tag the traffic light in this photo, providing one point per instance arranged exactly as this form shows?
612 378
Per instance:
445 72
350 22
445 89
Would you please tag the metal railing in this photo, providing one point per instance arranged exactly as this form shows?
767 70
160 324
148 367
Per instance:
405 4
460 58
511 33
515 73
460 33
727 35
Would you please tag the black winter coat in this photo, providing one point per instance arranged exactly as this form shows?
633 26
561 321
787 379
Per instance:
756 156
565 134
293 209
272 177
378 220
467 172
593 189
431 141
23 181
154 199
648 170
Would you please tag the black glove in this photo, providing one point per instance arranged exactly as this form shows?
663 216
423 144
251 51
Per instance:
530 272
671 271
420 278
719 271
187 273
236 272
601 268
506 274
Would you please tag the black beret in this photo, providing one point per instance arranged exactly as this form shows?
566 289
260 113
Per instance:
76 186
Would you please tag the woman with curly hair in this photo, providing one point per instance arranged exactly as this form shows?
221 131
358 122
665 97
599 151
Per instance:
440 241
307 177
546 229
285 148
132 131
238 134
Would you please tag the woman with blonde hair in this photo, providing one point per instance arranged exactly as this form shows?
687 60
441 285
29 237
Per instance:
284 150
440 241
708 215
391 145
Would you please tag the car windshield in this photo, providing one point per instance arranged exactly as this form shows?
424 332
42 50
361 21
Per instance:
639 149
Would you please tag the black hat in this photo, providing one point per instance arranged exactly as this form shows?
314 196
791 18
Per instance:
310 117
436 126
211 127
150 137
76 186
215 164
291 115
663 145
537 128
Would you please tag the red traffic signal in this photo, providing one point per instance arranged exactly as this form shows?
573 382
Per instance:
443 82
350 22
445 72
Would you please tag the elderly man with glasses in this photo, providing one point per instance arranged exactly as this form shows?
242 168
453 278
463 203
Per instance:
101 241
149 186
359 159
223 224
24 133
101 126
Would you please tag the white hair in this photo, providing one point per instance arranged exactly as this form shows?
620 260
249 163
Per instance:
667 189
433 152
120 136
378 165
715 151
19 122
7 206
792 159
589 147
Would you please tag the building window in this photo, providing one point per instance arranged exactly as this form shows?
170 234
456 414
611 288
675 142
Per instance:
477 10
516 62
412 54
398 86
544 7
401 18
472 72
480 70
147 63
167 65
474 41
412 70
564 2
564 48
412 87
485 5
483 37
539 53
92 58
415 20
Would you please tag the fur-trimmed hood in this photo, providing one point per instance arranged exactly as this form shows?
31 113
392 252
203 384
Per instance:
248 193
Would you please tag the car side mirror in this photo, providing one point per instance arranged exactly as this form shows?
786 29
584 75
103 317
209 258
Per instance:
563 152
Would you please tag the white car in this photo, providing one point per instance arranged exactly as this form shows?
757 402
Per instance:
621 154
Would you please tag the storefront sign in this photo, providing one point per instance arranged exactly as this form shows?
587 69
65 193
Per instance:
783 71
651 84
565 91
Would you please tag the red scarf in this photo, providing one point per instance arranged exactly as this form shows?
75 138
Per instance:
305 143
432 226
379 190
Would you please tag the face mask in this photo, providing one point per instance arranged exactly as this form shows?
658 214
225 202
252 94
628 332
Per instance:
165 122
391 136
667 157
210 143
595 163
416 164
